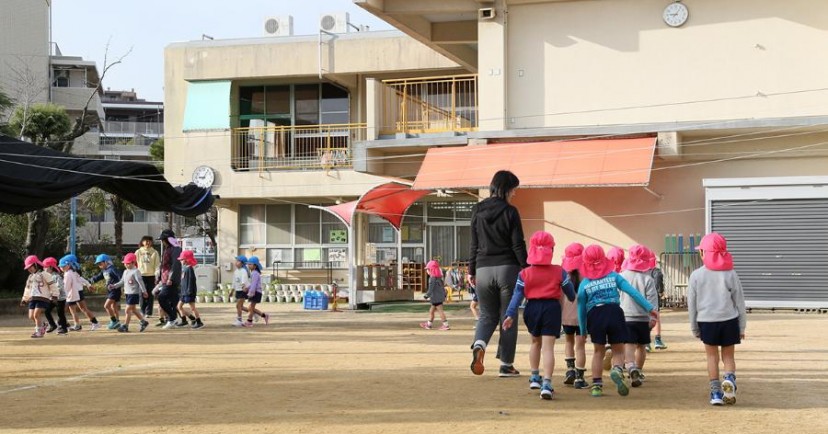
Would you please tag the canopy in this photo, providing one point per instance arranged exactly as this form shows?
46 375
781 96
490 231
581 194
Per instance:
389 201
34 177
574 163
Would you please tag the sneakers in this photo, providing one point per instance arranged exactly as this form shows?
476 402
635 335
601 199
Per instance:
112 325
617 377
161 322
51 328
37 334
266 317
659 345
169 325
546 391
635 377
62 331
535 382
649 348
238 323
477 366
729 389
181 323
570 376
42 330
198 325
716 397
426 325
144 325
76 328
508 371
445 326
641 375
580 383
597 390
123 329
247 324
94 326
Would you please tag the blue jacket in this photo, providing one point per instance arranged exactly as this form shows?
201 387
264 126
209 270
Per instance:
110 274
592 293
188 281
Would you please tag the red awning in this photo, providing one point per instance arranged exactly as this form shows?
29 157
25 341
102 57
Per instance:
389 201
573 163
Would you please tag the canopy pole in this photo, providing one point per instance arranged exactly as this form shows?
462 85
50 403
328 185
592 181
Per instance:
399 259
73 221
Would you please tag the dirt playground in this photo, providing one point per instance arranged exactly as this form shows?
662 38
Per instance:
369 372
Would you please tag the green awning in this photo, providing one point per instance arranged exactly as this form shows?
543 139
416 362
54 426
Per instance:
208 106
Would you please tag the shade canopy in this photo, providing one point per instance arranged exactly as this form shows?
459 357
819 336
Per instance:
573 163
388 201
34 177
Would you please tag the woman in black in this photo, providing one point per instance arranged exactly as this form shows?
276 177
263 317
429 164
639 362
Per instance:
170 276
498 253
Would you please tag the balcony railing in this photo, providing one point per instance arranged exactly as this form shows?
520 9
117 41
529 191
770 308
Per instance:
310 147
429 104
133 128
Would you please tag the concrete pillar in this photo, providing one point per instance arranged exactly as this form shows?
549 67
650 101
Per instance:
227 240
492 69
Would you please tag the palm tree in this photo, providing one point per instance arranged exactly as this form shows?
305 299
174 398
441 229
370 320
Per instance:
98 201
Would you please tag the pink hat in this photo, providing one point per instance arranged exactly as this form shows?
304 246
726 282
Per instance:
49 262
31 260
541 246
572 257
716 257
651 260
595 264
639 259
616 255
187 256
433 268
130 258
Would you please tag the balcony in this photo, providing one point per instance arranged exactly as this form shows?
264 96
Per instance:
130 129
305 147
428 105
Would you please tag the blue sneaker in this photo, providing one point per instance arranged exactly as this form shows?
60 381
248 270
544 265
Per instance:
535 382
729 389
617 377
547 392
716 397
113 325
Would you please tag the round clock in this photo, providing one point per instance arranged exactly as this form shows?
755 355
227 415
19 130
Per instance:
676 14
204 176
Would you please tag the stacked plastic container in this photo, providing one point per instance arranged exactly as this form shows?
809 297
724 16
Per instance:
315 299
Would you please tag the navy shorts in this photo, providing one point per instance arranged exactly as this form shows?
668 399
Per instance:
188 299
241 295
606 324
133 299
114 294
572 330
437 304
256 298
720 334
638 332
543 317
474 297
38 304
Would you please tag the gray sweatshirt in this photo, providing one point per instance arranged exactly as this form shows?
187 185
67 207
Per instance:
646 286
132 282
715 296
436 290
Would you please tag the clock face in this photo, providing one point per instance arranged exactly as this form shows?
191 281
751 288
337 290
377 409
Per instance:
203 177
676 14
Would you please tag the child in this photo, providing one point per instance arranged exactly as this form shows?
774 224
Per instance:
189 288
575 344
616 256
241 277
149 264
716 306
636 271
133 284
53 275
436 295
600 314
543 284
254 289
38 294
658 278
110 275
73 284
473 305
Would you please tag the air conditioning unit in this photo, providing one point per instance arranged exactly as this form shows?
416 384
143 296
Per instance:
279 26
335 22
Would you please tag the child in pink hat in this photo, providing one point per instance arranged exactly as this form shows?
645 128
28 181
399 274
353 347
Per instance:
616 256
575 343
436 295
636 271
716 305
543 284
38 294
600 314
133 284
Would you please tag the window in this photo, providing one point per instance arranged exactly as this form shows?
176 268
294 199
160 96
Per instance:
333 230
252 224
307 225
335 105
311 104
278 224
61 78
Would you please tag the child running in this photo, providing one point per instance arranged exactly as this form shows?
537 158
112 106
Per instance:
189 288
133 284
716 305
254 289
543 284
636 271
575 344
38 294
73 284
241 278
600 314
436 295
109 275
53 275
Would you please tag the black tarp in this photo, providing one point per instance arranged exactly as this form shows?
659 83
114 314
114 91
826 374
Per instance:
34 177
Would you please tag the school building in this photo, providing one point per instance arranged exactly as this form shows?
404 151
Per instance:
631 121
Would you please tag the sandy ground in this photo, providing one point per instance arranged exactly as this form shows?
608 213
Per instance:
379 372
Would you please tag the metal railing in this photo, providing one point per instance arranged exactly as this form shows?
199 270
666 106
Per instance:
133 128
677 267
429 104
295 147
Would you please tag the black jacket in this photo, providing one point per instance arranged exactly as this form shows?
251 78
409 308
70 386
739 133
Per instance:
496 235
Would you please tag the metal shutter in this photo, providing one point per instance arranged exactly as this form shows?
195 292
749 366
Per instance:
780 249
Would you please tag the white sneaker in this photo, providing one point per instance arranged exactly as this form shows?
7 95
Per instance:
238 323
95 326
169 325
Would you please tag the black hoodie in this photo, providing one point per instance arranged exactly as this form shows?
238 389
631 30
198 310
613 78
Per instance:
496 235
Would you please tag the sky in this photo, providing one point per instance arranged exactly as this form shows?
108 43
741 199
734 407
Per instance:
83 27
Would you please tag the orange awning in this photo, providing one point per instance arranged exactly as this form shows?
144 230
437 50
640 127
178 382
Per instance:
573 163
389 201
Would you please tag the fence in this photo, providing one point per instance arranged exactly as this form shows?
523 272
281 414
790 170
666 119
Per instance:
677 267
429 104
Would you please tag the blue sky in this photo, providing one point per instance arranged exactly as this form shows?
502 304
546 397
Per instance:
82 28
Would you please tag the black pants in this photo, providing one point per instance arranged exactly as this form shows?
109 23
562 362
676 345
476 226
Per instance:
168 299
61 311
146 303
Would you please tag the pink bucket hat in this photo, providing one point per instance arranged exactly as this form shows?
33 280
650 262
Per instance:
31 260
616 255
639 259
50 262
572 257
651 260
716 257
130 258
433 268
187 256
541 246
595 264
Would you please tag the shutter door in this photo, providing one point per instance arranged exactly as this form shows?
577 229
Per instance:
779 247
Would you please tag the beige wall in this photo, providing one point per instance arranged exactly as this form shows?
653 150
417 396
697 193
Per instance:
584 61
24 47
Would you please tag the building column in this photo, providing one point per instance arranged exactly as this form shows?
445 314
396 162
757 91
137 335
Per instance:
492 67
